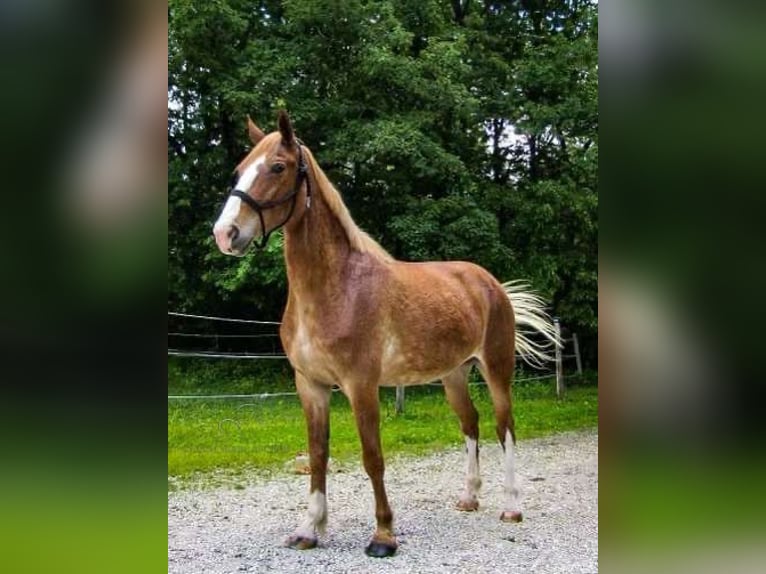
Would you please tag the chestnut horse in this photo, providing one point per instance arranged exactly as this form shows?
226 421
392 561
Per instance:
359 319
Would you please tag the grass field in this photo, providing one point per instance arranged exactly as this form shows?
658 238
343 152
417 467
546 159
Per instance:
232 435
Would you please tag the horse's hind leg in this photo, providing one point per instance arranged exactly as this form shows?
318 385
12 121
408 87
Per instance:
456 390
497 371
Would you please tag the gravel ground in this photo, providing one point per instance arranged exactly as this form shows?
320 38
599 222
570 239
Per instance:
227 530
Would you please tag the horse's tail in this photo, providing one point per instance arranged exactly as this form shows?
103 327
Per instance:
531 318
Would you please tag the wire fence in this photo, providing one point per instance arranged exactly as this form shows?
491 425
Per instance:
212 355
558 374
222 319
225 335
260 396
214 337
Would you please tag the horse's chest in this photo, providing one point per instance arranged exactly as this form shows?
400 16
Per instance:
303 347
309 352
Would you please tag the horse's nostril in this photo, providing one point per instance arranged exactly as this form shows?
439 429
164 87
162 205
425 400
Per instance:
233 232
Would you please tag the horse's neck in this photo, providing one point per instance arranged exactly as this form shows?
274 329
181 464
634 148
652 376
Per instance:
317 249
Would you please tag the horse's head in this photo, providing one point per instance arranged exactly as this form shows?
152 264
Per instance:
270 188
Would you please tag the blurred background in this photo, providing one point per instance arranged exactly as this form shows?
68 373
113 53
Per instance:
681 270
82 267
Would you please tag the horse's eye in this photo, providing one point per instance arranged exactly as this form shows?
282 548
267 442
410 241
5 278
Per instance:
278 167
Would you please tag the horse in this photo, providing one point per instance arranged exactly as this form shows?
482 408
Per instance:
358 319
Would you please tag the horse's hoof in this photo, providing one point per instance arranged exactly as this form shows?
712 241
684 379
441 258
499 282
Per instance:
301 542
511 516
468 505
380 549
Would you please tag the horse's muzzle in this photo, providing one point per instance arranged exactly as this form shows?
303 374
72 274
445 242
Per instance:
230 240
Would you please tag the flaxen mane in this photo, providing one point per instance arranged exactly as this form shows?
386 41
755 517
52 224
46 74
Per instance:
358 239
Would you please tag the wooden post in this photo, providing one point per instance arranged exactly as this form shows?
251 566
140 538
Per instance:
577 353
399 400
559 367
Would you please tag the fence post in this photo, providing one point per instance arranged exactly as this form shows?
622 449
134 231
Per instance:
577 353
559 367
399 399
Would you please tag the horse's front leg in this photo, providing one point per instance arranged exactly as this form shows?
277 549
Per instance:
315 399
364 402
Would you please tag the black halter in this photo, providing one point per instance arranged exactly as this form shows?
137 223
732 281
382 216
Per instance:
260 206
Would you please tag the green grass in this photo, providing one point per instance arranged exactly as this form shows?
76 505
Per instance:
235 435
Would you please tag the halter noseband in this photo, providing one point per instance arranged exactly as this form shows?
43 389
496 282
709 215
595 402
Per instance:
260 206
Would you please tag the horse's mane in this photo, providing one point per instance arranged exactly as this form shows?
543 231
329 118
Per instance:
358 239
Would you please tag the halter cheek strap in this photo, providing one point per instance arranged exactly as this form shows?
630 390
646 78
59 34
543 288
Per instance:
260 206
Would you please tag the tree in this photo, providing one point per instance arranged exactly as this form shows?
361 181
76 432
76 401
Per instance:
462 130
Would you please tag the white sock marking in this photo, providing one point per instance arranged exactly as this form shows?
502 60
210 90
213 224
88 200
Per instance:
316 516
510 487
472 478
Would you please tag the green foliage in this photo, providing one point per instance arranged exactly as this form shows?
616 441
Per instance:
463 130
453 227
234 435
206 377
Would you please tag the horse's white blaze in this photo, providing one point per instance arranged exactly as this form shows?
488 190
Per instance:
248 177
316 516
472 478
229 213
231 209
511 489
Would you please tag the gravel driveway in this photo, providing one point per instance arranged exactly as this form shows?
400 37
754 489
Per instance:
227 530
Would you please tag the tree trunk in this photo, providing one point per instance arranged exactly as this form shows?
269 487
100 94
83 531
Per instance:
460 9
498 169
533 158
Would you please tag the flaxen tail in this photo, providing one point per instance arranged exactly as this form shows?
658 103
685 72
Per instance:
531 319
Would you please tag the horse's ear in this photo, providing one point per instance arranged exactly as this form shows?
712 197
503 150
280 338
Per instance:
254 131
285 128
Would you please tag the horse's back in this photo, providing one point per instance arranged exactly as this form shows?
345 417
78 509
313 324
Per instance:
450 282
